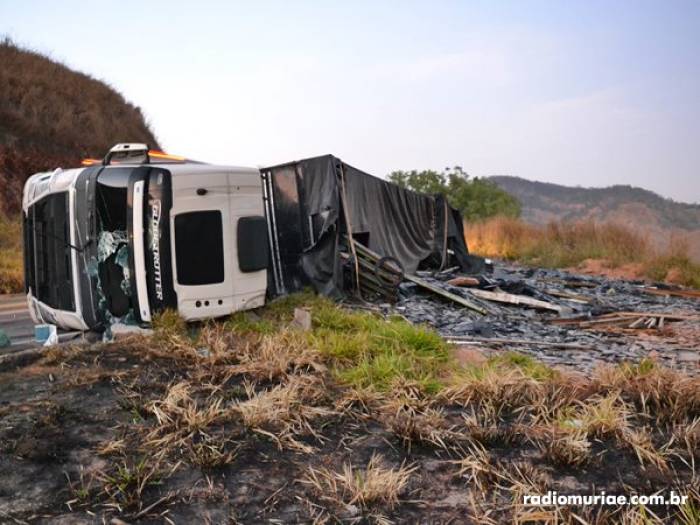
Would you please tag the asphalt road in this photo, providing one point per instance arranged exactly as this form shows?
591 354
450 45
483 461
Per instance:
16 323
19 327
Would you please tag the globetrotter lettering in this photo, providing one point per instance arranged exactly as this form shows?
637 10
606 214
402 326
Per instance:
155 247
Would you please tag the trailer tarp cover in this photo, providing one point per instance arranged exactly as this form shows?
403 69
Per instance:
304 203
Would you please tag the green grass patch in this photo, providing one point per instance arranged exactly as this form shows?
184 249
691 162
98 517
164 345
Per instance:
643 368
370 351
528 366
366 350
168 324
363 349
250 323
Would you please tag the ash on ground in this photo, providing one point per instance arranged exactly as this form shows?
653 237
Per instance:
536 332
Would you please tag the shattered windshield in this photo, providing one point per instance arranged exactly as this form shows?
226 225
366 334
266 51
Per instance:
112 264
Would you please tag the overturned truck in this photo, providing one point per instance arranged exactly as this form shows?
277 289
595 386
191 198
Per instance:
141 231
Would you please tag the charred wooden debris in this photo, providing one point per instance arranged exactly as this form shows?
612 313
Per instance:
560 317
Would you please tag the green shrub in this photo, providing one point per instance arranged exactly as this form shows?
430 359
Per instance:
475 198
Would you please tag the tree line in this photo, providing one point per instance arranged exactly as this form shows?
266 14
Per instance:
476 198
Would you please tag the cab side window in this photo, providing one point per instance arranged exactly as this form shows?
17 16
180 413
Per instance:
252 243
199 248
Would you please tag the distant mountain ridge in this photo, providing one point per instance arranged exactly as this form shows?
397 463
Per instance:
659 218
52 116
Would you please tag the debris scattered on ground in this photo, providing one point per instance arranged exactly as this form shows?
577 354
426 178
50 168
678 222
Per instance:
464 281
554 315
509 298
4 339
377 276
302 319
120 331
672 291
46 334
447 294
630 320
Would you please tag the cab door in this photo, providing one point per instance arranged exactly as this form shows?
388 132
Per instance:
208 202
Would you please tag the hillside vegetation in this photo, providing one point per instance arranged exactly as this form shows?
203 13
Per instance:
53 116
50 116
567 244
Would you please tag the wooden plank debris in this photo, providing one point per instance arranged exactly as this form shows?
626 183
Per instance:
573 283
630 320
389 274
528 342
687 293
464 281
576 298
509 298
378 276
444 293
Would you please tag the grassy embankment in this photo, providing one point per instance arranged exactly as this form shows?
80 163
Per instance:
561 245
11 269
358 418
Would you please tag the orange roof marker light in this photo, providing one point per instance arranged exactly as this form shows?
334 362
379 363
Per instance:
165 156
133 153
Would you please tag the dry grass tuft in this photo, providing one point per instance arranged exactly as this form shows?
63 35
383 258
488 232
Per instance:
285 411
688 435
373 485
640 442
521 478
114 447
277 356
567 447
492 386
425 426
211 451
180 417
359 403
11 262
566 244
124 483
602 417
657 392
477 467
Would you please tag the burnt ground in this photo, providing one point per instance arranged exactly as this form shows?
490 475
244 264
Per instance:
103 433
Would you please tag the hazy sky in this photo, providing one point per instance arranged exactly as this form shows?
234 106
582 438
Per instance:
579 93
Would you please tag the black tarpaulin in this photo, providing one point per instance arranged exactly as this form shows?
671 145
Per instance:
304 206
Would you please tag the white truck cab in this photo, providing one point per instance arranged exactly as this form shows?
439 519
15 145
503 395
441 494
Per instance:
141 231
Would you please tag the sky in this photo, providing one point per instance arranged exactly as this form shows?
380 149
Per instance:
581 93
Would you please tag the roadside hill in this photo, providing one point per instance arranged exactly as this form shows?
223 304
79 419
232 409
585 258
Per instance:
53 116
644 211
